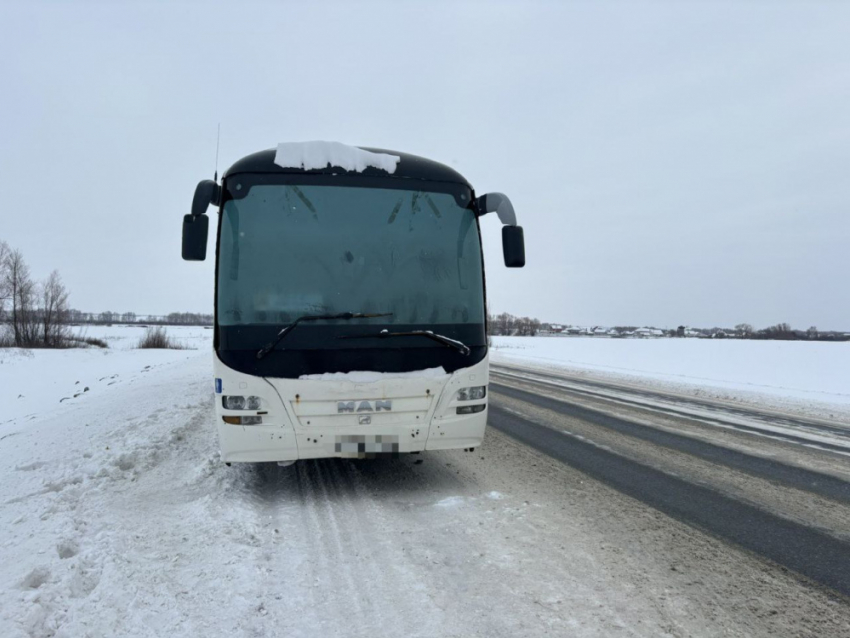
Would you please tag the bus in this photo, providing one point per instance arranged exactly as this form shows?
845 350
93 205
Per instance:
350 308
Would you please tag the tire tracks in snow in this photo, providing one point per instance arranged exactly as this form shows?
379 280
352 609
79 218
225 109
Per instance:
345 527
334 557
319 526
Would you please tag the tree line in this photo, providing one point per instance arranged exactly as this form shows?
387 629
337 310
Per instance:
34 313
784 332
172 318
506 324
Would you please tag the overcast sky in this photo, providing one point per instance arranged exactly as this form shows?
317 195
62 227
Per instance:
672 163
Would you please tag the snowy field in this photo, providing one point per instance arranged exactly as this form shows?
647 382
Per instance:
37 382
814 376
118 519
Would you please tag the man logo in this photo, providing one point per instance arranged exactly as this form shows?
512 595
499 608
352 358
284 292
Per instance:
363 406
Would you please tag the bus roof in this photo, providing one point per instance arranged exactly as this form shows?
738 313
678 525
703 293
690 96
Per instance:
409 167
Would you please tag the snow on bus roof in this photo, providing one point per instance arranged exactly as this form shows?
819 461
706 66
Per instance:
316 155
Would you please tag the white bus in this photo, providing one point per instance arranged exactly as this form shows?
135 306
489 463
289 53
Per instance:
349 303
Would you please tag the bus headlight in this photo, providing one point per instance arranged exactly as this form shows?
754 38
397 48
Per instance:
472 394
233 402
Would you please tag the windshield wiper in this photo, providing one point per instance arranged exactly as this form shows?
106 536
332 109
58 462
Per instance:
262 352
383 334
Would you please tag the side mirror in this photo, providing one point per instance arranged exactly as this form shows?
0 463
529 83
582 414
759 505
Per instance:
513 242
195 230
206 193
500 204
513 246
197 225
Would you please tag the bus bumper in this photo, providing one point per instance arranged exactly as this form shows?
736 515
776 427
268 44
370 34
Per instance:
309 419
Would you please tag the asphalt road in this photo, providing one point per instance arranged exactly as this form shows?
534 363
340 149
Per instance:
773 484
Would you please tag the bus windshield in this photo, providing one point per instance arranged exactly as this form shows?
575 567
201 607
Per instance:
289 250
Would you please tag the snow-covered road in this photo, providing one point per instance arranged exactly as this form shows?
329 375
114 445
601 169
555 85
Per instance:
118 520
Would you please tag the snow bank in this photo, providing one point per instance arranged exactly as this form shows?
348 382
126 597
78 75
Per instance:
373 377
36 382
313 155
797 370
69 539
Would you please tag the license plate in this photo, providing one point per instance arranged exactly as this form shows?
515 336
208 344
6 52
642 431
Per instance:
366 447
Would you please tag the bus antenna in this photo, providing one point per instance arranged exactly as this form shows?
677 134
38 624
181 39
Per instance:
217 140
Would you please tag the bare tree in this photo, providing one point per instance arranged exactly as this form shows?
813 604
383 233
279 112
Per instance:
502 324
5 251
783 331
745 330
54 311
779 331
21 290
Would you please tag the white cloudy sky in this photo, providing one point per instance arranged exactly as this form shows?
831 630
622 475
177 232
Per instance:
670 162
